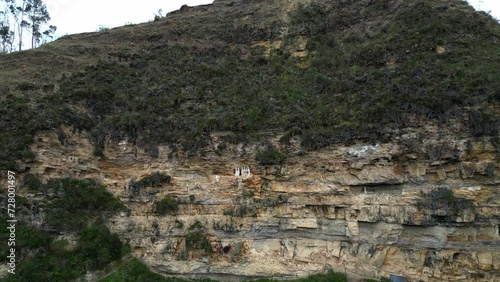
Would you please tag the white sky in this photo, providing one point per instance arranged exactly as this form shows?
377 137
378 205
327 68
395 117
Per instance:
76 16
490 6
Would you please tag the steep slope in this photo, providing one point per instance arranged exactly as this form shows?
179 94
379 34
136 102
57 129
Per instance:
327 72
370 130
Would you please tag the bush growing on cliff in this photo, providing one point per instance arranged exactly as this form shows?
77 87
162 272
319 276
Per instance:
270 156
198 240
482 124
444 198
32 182
97 247
77 201
154 180
42 259
77 207
248 210
30 238
167 205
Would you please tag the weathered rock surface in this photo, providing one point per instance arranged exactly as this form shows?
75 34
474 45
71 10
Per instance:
355 208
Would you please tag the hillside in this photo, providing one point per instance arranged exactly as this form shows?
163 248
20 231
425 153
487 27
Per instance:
370 130
326 72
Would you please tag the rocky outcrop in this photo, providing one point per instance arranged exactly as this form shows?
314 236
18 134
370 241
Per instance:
363 209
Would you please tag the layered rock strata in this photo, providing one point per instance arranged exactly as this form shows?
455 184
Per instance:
363 209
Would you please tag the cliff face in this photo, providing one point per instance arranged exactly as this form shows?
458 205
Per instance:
367 209
387 112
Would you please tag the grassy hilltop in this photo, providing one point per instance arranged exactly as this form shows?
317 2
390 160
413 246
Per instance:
366 69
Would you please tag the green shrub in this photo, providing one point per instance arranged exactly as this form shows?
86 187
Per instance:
84 194
245 210
483 124
59 247
198 240
270 156
30 238
444 198
229 212
197 226
97 247
103 28
77 201
45 260
167 205
21 201
272 202
154 180
32 182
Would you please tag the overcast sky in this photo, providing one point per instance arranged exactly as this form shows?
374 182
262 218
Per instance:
490 6
75 16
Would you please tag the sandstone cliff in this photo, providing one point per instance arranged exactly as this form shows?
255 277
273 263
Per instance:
364 208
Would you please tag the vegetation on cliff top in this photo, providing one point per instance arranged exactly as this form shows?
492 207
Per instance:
421 60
